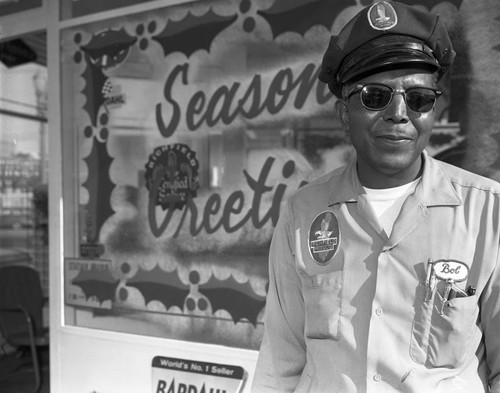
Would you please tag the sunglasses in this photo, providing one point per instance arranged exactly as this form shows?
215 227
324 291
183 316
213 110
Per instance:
376 96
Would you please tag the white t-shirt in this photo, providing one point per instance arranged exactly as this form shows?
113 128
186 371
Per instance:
387 202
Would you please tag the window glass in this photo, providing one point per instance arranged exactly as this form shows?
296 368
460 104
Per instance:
23 167
76 8
185 131
11 7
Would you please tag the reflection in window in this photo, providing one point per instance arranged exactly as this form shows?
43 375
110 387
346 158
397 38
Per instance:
23 167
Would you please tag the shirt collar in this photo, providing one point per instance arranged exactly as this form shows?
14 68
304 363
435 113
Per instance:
434 188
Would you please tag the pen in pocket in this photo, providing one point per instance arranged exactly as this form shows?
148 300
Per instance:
430 280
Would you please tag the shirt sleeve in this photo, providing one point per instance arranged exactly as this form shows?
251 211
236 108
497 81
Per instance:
490 317
282 355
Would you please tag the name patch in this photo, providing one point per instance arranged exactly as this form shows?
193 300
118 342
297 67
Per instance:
449 269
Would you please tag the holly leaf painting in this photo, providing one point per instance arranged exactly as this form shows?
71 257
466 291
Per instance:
96 283
299 16
94 82
99 187
238 299
192 33
160 285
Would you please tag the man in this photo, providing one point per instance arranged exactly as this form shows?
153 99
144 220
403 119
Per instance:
384 274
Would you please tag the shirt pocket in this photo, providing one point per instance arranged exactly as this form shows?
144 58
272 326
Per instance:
323 304
442 340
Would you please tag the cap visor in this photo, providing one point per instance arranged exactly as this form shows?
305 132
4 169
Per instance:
388 61
388 51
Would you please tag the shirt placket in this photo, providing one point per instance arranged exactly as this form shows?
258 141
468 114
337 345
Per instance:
380 346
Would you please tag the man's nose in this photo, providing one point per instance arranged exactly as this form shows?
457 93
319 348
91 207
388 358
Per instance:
397 110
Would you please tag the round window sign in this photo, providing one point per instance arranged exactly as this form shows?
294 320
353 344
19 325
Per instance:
172 175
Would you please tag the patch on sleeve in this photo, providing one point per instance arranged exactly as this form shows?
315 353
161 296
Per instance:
324 237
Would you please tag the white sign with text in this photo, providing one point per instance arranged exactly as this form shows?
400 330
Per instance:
173 375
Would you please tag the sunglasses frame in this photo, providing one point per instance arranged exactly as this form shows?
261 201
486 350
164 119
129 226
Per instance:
359 89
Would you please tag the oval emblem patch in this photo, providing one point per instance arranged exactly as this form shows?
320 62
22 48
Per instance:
382 16
324 237
451 270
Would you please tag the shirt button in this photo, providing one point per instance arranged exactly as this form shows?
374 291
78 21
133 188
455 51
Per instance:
377 377
379 312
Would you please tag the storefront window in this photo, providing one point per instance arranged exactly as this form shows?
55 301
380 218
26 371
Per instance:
76 8
16 6
23 167
186 129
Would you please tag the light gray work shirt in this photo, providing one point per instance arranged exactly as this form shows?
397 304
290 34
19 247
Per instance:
350 310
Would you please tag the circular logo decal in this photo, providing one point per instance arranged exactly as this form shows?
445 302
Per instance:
382 16
172 175
324 237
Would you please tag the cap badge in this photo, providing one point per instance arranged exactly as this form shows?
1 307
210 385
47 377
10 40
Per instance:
382 16
324 237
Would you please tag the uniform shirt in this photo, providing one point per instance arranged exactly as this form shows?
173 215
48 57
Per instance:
361 321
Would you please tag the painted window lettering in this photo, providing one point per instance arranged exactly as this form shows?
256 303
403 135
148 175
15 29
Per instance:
233 205
228 102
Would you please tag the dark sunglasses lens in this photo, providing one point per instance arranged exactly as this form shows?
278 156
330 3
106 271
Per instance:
375 97
421 99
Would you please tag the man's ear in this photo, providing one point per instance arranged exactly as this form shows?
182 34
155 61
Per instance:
342 113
